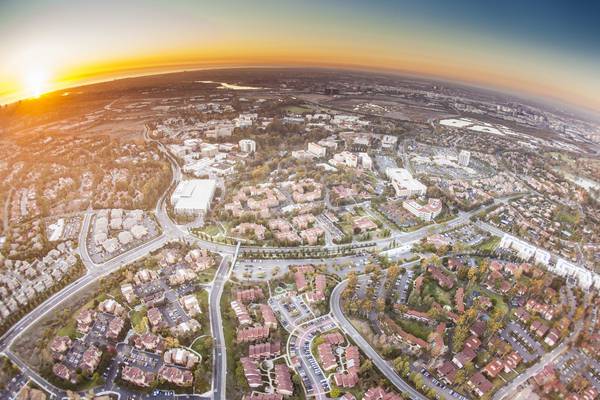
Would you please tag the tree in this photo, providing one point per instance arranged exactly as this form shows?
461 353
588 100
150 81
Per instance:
366 366
335 392
380 306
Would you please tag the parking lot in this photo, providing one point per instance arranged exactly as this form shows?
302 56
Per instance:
402 286
313 378
527 347
141 359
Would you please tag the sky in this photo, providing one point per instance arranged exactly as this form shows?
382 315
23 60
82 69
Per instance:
549 49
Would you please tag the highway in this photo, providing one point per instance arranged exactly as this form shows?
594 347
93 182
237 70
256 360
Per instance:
386 369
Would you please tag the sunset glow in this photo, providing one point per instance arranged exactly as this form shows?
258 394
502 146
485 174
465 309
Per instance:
90 41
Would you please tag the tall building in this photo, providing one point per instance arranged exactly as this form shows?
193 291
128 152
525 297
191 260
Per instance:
464 157
247 145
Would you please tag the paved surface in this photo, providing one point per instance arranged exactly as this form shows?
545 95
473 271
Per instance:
299 343
513 386
386 369
216 327
171 232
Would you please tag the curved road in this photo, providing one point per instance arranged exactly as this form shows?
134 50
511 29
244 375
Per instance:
385 368
171 232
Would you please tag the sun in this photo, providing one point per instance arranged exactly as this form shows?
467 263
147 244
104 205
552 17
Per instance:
36 82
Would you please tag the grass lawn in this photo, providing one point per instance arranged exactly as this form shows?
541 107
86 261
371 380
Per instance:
489 245
497 299
415 328
68 329
212 230
203 373
296 109
139 321
440 295
207 275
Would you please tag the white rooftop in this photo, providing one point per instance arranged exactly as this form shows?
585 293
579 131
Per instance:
194 194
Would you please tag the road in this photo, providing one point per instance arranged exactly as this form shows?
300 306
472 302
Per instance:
216 327
386 369
172 232
299 343
546 359
33 376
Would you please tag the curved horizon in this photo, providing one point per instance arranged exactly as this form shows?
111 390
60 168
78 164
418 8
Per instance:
543 52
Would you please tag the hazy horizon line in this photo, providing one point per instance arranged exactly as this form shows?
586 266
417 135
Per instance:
167 69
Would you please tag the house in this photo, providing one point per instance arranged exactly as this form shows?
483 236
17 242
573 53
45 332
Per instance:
63 372
352 357
552 337
252 334
318 294
465 356
190 305
447 372
363 224
334 338
437 340
268 316
328 359
479 384
414 342
144 276
181 357
246 227
251 372
454 264
115 326
59 345
283 380
459 299
249 295
493 368
311 236
303 221
186 327
511 361
128 293
538 328
241 313
262 396
90 359
522 315
442 279
264 350
478 328
345 379
155 318
300 279
149 342
176 376
137 376
472 343
85 320
379 393
181 276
